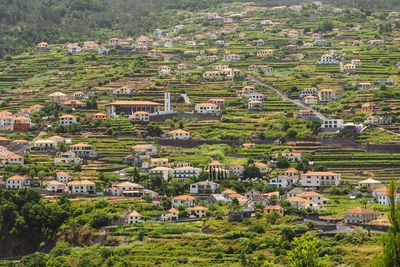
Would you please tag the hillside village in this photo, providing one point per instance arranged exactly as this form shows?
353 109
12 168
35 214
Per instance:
242 112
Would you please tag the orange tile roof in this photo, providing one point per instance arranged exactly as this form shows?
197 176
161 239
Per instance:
271 194
178 131
292 170
184 198
296 199
273 207
320 173
135 214
83 182
309 194
173 210
17 178
206 105
133 103
359 210
215 163
229 191
81 145
260 165
199 208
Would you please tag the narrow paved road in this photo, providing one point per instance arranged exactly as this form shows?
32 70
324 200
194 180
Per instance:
389 131
285 97
186 98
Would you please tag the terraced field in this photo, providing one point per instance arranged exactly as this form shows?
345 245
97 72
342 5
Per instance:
356 165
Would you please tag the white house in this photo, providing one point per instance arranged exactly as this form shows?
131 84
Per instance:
183 200
68 157
67 119
320 179
145 151
348 67
162 172
236 169
58 97
186 172
359 215
127 189
140 116
134 217
264 168
327 95
312 91
255 96
9 157
74 48
17 182
44 145
56 187
83 150
292 156
265 53
179 134
62 177
370 184
204 187
255 105
356 62
332 124
207 108
199 211
122 91
84 187
315 197
283 181
171 215
164 70
310 100
328 59
232 57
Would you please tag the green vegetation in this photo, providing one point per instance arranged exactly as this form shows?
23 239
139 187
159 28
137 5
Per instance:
26 22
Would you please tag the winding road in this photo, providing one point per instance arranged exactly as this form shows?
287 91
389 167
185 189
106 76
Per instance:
285 97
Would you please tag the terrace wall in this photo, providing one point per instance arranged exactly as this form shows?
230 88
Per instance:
327 142
189 116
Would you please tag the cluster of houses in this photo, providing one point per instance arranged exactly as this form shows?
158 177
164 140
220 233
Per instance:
74 154
19 121
10 158
313 96
300 188
222 72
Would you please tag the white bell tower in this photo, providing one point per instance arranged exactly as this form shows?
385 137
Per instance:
167 101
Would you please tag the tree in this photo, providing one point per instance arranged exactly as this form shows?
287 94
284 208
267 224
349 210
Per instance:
41 175
62 147
391 244
272 217
326 26
273 200
306 252
235 205
99 219
154 129
282 162
252 172
291 133
34 260
136 175
91 103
